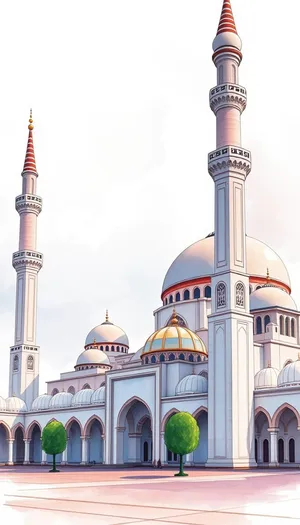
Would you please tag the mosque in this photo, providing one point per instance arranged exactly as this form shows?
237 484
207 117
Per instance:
225 347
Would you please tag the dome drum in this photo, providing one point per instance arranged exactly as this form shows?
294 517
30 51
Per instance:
158 356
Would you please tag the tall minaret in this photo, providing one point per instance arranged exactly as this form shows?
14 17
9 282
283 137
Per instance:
230 326
24 355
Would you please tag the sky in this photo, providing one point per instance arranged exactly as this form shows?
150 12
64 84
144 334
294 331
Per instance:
119 92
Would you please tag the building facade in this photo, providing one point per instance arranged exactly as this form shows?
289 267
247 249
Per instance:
226 345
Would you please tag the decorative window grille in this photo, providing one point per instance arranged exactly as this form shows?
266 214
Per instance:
240 295
221 295
30 362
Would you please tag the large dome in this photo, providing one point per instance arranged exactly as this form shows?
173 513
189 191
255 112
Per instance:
92 357
107 332
270 296
197 261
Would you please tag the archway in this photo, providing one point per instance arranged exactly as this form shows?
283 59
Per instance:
4 436
288 435
280 450
146 440
201 452
168 456
95 433
262 423
35 447
266 457
133 429
19 446
74 442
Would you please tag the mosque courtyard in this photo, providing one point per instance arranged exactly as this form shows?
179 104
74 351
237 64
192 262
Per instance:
103 496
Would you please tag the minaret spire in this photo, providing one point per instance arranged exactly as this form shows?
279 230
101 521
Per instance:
227 22
24 355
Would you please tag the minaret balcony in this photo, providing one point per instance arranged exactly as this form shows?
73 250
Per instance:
29 258
229 159
29 203
228 95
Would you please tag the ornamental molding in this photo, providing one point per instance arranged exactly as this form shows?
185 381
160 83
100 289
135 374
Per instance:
27 262
229 158
228 95
33 207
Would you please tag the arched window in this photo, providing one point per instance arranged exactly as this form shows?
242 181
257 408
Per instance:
250 290
54 392
266 451
258 325
186 295
101 348
293 328
177 297
287 326
118 349
86 386
267 320
147 360
166 302
221 295
122 348
292 450
171 299
30 362
16 363
197 293
71 390
191 358
112 348
240 295
258 287
181 357
198 358
161 358
280 450
106 348
281 324
153 359
171 357
180 320
207 292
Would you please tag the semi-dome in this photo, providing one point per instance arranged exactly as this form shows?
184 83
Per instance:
270 296
2 404
290 374
15 404
192 384
107 332
197 261
266 378
42 402
83 397
98 396
61 400
174 337
92 356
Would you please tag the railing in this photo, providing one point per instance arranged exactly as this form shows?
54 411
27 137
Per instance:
28 197
229 151
25 253
225 88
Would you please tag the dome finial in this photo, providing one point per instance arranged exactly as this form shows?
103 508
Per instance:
94 341
30 125
106 316
174 320
226 23
269 364
268 274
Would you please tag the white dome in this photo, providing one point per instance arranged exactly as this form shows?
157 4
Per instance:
98 396
15 404
270 296
92 357
61 400
227 39
192 384
290 374
266 378
107 332
42 402
2 404
83 397
197 261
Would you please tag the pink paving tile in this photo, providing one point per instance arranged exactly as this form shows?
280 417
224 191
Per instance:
219 518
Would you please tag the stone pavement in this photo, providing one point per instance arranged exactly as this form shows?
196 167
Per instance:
103 496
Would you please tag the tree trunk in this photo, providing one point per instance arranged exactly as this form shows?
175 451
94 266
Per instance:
181 473
54 464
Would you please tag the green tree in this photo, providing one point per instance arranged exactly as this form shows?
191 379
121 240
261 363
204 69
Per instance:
54 440
182 436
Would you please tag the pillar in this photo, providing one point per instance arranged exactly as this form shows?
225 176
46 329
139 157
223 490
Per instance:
163 449
44 458
135 452
103 449
64 457
189 459
10 451
273 447
120 445
84 450
259 448
26 454
286 458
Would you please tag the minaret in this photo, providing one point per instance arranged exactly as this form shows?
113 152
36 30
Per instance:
24 355
230 325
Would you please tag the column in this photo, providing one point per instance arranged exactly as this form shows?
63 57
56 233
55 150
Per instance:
189 459
163 449
135 453
84 450
120 445
273 447
259 448
286 458
64 457
10 451
26 454
44 458
103 449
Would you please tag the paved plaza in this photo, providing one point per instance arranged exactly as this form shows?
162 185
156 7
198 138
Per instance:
82 496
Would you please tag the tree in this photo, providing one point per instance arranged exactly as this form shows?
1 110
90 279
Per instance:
182 436
54 440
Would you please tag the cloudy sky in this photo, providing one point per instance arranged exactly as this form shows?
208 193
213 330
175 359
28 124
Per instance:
119 91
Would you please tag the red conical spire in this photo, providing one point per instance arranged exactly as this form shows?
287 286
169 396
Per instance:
226 23
29 164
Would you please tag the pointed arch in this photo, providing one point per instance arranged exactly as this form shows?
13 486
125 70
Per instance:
89 423
261 410
280 410
141 422
29 429
68 425
128 404
8 430
15 428
199 410
167 416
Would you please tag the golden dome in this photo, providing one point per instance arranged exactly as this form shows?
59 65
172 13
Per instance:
174 337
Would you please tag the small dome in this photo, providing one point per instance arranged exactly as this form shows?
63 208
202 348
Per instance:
107 332
15 404
192 384
266 378
98 396
2 404
83 397
290 374
270 296
92 357
42 402
61 400
227 39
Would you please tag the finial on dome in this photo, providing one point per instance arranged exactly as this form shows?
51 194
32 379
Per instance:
269 364
268 274
174 320
30 125
106 316
94 341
